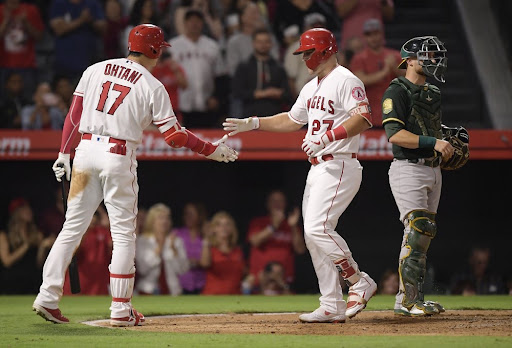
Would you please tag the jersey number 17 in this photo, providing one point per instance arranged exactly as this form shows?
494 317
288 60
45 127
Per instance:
123 92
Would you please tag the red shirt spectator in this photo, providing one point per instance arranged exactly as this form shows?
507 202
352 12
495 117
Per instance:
225 274
275 237
222 258
20 26
93 258
355 12
376 66
172 76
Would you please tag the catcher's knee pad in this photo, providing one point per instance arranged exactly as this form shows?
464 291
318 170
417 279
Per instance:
413 258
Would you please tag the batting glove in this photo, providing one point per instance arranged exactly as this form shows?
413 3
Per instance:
223 153
59 171
314 144
238 125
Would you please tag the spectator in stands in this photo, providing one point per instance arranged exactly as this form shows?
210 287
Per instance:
222 257
272 280
173 77
261 82
355 12
194 221
115 24
62 87
43 113
239 47
376 65
23 250
296 70
93 259
160 254
12 101
21 26
52 218
478 278
211 12
275 237
202 61
354 45
388 284
293 12
77 25
142 12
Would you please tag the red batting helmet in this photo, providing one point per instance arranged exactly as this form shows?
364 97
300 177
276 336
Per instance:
322 41
147 39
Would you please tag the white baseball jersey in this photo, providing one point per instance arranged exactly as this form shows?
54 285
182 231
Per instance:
326 104
121 98
202 62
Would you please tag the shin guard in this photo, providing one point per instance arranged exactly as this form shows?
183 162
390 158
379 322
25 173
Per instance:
413 256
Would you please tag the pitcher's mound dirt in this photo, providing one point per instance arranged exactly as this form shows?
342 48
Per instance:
450 323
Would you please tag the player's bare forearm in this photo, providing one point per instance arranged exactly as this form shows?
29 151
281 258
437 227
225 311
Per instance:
355 125
278 123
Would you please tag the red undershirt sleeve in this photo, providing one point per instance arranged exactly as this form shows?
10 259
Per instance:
71 124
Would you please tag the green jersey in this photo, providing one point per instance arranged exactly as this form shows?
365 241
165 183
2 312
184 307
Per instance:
414 108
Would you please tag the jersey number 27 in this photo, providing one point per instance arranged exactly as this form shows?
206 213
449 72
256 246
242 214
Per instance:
123 92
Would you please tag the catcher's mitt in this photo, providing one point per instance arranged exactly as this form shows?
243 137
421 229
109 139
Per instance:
458 137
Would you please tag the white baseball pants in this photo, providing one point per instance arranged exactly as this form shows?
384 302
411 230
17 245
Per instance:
330 187
97 175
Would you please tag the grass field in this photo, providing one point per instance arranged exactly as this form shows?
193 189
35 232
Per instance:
20 327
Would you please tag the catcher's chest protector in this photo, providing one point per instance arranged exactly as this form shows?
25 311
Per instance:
425 106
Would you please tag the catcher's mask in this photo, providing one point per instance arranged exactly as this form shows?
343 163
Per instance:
431 55
319 40
147 39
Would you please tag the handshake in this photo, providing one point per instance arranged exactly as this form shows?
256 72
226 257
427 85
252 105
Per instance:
311 145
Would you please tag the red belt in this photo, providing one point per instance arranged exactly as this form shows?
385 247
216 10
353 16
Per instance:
314 160
88 136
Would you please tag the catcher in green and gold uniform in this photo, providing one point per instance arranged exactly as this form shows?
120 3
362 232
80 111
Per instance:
411 115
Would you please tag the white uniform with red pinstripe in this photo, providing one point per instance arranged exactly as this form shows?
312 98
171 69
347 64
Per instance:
331 185
115 100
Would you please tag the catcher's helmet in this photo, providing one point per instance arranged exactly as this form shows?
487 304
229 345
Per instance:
322 41
147 39
431 55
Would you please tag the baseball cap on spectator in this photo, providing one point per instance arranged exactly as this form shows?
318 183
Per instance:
371 25
314 19
17 203
292 30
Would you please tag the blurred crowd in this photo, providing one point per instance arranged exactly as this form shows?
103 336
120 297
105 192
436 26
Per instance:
228 57
206 254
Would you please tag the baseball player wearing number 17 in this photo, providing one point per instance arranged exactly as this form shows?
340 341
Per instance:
114 101
335 108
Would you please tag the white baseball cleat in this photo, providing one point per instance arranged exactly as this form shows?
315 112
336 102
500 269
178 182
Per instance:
417 310
134 319
359 294
320 315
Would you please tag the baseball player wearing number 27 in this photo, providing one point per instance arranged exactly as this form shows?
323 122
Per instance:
336 110
411 115
114 101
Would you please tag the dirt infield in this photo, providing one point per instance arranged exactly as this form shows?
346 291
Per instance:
368 323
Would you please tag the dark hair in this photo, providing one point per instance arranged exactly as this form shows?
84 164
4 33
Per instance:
194 13
260 31
135 54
